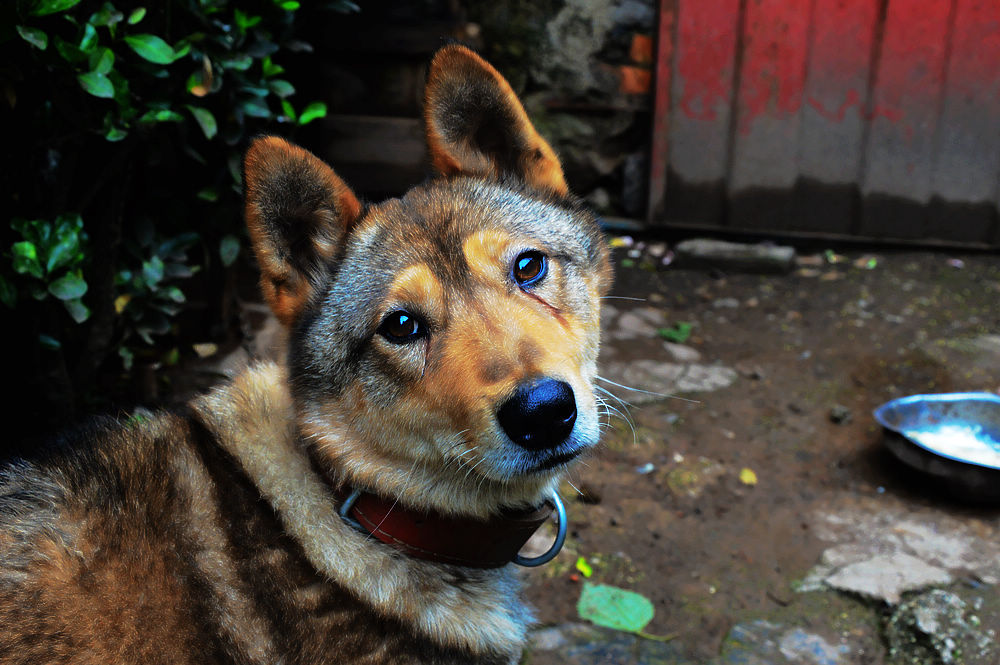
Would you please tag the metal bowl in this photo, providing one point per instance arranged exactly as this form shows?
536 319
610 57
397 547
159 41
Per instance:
955 436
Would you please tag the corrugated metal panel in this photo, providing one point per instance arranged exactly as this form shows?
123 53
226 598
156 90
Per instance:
868 118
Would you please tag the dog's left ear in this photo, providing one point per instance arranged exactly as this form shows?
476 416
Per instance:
298 213
477 125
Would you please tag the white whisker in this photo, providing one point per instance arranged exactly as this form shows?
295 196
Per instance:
648 392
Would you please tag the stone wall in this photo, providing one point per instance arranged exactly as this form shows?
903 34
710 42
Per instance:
584 68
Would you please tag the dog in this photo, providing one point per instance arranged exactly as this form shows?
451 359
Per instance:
362 501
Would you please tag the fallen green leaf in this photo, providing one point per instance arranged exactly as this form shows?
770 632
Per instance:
615 608
584 567
679 333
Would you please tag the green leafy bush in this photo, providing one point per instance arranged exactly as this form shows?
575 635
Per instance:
127 122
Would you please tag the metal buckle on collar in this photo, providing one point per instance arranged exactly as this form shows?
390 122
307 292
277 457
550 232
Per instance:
345 511
531 562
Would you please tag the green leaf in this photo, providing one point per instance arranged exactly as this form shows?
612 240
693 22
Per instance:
97 84
152 48
288 5
240 62
102 60
107 16
70 286
25 259
115 134
281 88
616 608
71 53
256 109
77 310
678 334
243 22
311 112
286 107
175 294
229 249
136 15
584 567
89 40
205 120
152 270
34 36
269 69
63 252
161 115
127 357
46 7
49 342
209 194
8 293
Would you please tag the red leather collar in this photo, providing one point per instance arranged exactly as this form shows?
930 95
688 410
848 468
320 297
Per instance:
435 537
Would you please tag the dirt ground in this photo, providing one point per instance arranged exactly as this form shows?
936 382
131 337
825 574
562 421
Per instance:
662 507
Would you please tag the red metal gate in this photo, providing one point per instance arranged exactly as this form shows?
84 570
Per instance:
858 118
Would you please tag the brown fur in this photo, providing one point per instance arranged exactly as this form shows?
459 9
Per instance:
211 534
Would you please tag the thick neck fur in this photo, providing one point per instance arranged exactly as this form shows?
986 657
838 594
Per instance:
465 608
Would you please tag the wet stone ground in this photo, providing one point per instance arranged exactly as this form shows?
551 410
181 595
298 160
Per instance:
747 492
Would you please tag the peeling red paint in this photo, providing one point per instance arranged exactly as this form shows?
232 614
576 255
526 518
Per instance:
773 72
853 99
898 97
706 50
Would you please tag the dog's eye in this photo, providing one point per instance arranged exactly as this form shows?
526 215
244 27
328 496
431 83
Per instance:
401 327
529 267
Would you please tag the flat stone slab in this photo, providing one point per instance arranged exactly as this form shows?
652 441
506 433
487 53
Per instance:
735 257
887 576
763 642
883 549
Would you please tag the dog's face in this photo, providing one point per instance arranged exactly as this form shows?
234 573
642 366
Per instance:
444 344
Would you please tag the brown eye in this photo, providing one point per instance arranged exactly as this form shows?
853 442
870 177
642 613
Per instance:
529 267
401 327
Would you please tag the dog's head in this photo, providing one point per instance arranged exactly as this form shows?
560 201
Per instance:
443 345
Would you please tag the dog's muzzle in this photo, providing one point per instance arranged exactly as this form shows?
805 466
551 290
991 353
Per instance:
539 415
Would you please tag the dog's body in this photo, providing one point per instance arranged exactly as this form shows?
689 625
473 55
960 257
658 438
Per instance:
441 355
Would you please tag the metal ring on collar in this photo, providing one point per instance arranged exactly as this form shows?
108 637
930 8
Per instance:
345 511
531 562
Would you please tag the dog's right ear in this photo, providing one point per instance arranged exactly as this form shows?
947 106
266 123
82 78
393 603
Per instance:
298 213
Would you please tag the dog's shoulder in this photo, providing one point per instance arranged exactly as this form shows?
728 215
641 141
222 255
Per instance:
85 531
145 538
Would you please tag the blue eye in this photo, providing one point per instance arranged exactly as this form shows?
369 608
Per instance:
401 327
529 268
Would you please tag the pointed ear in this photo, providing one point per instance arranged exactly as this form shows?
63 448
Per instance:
477 125
298 213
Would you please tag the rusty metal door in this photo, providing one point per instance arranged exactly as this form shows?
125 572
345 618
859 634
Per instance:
854 118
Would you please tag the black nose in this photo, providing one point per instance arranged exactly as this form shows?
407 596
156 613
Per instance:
539 415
